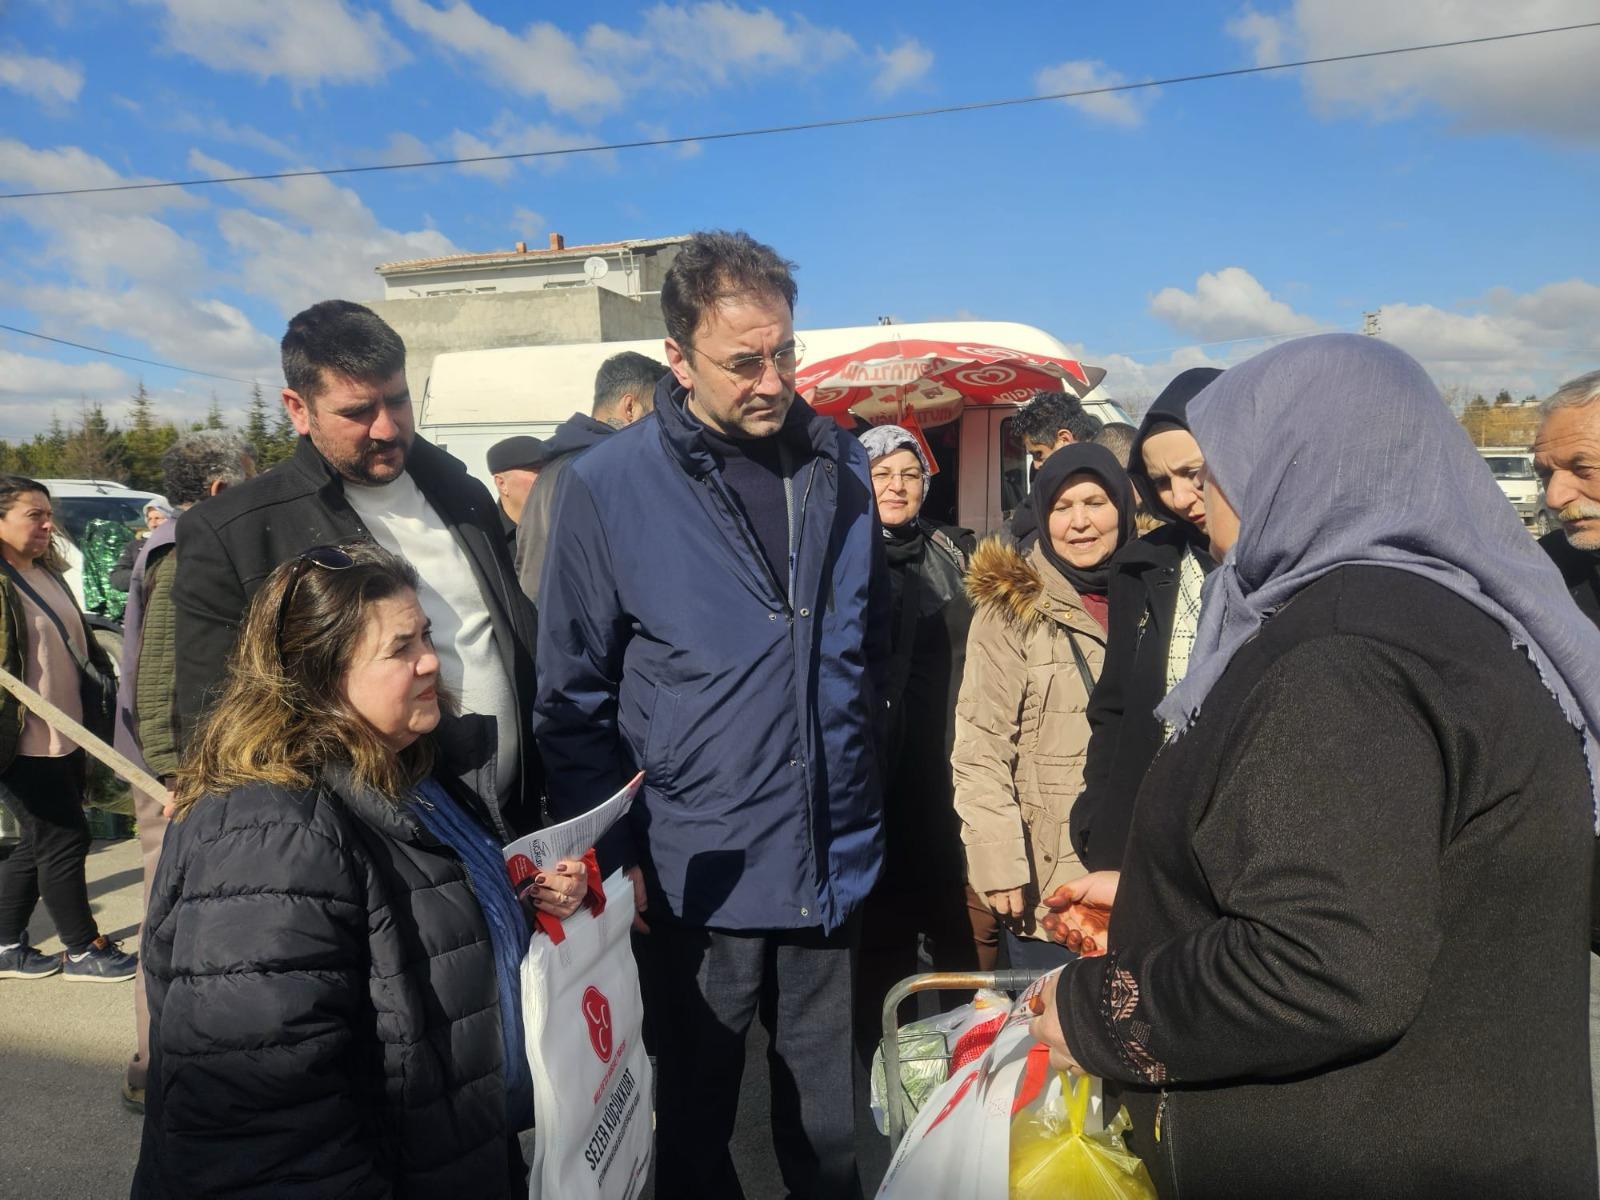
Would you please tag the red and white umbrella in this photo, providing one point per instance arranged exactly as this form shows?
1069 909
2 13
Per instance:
931 382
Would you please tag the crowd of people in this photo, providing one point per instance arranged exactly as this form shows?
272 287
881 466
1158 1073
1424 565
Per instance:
1265 722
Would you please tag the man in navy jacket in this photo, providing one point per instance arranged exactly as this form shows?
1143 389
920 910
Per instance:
712 613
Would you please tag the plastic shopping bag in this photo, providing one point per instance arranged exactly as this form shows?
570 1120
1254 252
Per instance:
592 1081
593 1086
1052 1158
932 1048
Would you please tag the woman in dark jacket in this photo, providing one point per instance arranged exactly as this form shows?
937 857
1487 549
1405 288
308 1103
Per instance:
922 891
1155 610
1348 947
332 947
43 638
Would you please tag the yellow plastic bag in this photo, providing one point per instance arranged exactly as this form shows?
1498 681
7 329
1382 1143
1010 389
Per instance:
1052 1157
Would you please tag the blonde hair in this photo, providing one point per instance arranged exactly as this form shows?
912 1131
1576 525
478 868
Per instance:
282 715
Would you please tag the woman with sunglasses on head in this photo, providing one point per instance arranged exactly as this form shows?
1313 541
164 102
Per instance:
1035 650
43 637
333 946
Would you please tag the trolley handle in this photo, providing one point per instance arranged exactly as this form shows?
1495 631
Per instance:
896 1100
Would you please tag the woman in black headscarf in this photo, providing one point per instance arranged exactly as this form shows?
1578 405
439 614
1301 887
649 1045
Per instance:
1036 645
1154 589
922 893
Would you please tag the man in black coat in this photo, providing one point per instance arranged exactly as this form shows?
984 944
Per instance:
1566 456
624 392
360 472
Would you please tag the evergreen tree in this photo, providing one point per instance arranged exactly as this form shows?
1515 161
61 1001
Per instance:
255 423
94 449
280 445
1503 398
146 441
213 415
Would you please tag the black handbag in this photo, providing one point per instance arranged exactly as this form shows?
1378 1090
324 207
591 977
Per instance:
96 688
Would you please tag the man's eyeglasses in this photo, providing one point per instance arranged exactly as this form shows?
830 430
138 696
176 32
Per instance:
749 368
329 558
909 478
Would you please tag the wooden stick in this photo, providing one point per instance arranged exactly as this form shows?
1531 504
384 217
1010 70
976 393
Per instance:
52 716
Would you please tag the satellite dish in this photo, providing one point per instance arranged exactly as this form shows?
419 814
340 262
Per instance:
595 268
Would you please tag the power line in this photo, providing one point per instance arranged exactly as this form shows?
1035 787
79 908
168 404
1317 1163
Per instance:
802 126
149 362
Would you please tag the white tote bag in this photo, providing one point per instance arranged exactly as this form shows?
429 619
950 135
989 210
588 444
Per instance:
593 1087
592 1081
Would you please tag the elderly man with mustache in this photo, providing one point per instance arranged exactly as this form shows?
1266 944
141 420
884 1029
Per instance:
1566 456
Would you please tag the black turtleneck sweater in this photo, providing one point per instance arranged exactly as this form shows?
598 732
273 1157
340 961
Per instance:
753 470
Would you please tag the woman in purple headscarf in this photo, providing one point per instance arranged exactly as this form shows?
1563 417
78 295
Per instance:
1348 946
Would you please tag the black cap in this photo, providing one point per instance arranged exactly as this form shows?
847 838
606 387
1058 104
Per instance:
514 452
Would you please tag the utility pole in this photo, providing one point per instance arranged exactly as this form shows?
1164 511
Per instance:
1369 322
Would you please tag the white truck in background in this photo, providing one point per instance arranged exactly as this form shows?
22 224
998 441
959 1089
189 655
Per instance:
1512 468
474 398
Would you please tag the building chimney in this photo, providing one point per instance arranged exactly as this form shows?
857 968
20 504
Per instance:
557 242
522 247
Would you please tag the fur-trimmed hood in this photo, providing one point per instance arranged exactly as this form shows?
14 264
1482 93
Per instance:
1024 590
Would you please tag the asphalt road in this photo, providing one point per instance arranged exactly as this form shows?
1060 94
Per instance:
64 1134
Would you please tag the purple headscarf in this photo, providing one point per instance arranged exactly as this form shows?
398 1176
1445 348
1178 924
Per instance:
1338 450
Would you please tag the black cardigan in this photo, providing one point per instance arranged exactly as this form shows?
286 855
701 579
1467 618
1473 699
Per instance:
1124 733
1350 940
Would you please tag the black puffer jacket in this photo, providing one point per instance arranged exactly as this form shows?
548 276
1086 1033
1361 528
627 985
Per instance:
323 1011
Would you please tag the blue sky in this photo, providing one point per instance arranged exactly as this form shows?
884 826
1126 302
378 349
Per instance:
1151 230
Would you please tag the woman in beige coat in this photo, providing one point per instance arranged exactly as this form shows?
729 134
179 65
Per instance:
1033 654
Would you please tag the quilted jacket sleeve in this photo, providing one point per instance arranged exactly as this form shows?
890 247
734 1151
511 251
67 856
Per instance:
984 762
260 1006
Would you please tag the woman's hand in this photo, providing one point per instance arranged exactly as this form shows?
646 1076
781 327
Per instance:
560 890
1081 912
1007 904
1046 1025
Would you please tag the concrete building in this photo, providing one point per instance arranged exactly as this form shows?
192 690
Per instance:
558 294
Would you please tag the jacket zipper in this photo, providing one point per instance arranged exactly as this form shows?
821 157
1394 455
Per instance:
749 542
1164 1119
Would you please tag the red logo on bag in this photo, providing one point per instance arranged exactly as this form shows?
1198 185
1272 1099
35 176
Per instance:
597 1012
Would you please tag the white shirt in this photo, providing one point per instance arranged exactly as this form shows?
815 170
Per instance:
402 521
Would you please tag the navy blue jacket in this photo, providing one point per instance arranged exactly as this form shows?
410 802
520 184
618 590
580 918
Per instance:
668 645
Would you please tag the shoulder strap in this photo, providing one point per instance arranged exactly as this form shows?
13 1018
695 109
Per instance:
1080 661
44 607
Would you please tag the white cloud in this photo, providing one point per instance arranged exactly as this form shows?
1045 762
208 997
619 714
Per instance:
676 46
511 135
47 81
37 381
906 64
303 42
1230 303
196 331
218 129
1135 384
541 61
526 223
314 240
1119 108
1537 84
1525 341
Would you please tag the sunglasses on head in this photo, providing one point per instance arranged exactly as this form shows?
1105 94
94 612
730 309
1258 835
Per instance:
329 558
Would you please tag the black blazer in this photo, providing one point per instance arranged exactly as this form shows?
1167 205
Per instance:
229 545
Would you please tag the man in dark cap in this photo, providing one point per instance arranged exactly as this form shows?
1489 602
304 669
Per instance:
515 464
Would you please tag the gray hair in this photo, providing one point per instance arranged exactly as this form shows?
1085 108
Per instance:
1574 393
199 459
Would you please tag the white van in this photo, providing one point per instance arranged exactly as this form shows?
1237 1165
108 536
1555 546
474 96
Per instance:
473 398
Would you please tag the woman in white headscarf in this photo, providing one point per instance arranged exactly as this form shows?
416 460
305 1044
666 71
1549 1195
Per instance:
1348 946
